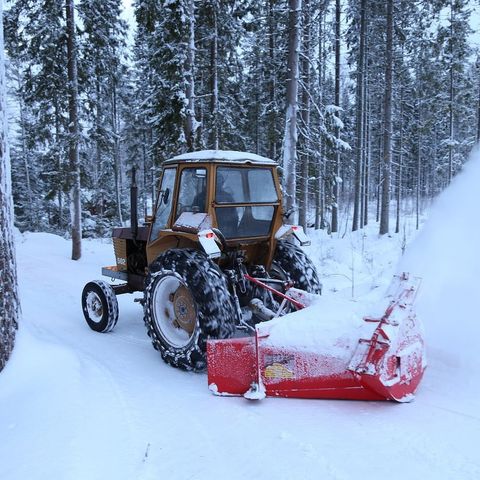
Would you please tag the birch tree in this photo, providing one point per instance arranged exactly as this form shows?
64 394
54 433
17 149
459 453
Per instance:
9 303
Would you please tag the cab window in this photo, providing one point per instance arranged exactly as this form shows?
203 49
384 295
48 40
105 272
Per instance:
165 201
192 196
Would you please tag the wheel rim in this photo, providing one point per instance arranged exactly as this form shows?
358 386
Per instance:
94 307
174 311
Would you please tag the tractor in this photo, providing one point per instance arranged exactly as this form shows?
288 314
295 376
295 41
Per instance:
215 258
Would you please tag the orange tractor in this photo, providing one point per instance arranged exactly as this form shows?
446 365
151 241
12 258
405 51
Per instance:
217 259
218 221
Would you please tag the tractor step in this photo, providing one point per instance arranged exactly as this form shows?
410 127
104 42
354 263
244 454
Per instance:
114 272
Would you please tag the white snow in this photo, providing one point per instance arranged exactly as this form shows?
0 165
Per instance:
331 325
225 155
75 404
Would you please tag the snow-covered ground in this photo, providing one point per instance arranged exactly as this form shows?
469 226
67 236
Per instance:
75 404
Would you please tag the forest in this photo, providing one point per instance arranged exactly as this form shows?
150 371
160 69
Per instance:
365 104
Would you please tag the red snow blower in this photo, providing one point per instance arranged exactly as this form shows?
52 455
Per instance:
386 363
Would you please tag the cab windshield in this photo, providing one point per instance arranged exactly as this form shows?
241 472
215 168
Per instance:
242 198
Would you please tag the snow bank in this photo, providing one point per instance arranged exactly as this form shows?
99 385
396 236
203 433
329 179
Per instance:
446 254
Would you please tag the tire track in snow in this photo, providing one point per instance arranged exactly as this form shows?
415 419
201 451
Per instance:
99 386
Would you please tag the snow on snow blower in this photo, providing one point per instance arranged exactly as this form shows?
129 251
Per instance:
292 356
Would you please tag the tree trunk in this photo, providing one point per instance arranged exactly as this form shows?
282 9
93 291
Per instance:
290 140
452 96
387 133
32 217
400 166
379 184
336 164
358 200
98 148
76 208
272 84
9 302
478 102
117 167
400 154
419 163
305 116
145 177
367 141
59 161
319 190
190 122
214 87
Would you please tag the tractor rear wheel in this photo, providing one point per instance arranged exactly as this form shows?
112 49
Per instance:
186 302
291 261
100 306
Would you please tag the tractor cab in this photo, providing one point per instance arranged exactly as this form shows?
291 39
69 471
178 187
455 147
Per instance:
237 194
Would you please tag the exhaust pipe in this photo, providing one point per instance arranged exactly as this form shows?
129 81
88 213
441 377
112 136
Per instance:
134 205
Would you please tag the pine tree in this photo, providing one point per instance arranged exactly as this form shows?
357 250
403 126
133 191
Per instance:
223 28
165 28
103 72
36 41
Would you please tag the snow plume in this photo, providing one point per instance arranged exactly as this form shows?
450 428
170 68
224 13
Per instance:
446 254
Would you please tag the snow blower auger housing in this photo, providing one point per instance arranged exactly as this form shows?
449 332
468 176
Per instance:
386 362
214 258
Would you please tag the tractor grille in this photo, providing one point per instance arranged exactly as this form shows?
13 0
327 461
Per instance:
120 249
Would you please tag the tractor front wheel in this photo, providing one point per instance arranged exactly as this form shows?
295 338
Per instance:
100 306
186 302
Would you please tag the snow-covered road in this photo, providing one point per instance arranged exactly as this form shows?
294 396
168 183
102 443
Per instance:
75 404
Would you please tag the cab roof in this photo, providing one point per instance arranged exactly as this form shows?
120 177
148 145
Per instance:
220 156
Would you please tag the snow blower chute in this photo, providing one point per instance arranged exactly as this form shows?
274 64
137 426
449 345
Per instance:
385 362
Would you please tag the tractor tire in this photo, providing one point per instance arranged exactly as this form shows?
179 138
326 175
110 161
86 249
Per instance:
290 261
186 302
100 306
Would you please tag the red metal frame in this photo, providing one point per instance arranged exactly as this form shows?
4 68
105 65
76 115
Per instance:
294 302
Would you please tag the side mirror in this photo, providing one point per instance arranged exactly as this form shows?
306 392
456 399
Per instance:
166 196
